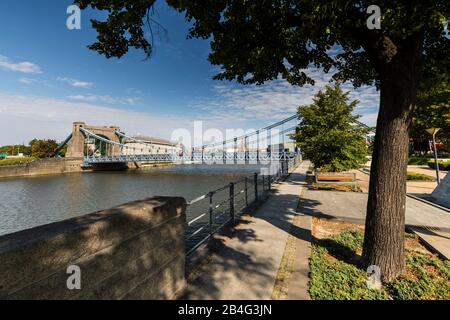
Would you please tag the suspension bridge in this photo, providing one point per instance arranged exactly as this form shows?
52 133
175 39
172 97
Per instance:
103 145
109 145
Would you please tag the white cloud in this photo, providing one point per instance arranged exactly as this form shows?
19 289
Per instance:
24 67
28 80
105 99
277 99
23 118
76 83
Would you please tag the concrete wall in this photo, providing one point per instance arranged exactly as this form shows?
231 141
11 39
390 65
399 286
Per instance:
42 167
442 192
134 251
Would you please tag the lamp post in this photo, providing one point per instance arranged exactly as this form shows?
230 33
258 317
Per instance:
432 132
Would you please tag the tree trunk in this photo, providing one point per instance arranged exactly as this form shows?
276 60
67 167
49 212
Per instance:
385 220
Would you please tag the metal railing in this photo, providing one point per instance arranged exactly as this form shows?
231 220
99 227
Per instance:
210 212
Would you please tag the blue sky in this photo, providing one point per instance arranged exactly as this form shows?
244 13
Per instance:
49 79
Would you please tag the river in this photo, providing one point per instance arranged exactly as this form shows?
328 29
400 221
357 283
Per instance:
32 201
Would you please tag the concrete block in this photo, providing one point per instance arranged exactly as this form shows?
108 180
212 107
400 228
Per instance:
33 262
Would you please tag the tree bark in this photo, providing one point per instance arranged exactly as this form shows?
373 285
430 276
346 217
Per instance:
385 220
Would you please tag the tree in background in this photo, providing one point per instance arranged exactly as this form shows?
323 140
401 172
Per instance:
255 41
43 148
433 111
329 135
12 150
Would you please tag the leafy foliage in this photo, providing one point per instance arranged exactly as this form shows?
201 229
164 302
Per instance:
124 28
15 149
258 40
433 111
329 134
419 160
43 148
335 273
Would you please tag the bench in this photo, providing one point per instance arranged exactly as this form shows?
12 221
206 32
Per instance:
335 178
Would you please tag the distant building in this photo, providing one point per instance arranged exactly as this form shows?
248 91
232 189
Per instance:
149 145
19 155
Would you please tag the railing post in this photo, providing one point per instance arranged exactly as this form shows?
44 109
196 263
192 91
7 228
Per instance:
211 231
203 155
270 181
257 147
256 185
235 150
246 191
232 213
224 153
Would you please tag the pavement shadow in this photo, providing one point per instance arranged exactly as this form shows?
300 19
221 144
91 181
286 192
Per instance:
339 251
310 207
209 268
214 265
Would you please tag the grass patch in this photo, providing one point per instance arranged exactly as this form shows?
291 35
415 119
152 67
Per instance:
335 187
419 160
335 273
16 161
414 176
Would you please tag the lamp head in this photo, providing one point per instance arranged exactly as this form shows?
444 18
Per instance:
432 131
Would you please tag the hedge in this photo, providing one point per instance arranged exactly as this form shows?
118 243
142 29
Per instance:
443 165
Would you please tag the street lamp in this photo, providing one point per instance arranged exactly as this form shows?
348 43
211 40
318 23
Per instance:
432 132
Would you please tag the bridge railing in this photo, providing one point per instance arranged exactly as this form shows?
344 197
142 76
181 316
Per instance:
204 158
211 212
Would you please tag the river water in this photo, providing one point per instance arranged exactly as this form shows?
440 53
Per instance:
33 201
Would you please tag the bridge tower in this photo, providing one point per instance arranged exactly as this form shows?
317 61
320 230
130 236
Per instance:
77 143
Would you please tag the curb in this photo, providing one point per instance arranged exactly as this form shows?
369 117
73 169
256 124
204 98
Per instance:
428 202
416 198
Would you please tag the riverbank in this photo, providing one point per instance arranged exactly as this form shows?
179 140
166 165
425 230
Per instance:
43 167
54 166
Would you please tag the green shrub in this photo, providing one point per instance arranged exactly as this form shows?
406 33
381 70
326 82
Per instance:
414 176
16 161
419 160
443 165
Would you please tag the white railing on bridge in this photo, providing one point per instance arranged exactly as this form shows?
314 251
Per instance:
207 158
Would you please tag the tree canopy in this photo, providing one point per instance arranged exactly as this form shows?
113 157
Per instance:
43 148
433 111
329 134
258 40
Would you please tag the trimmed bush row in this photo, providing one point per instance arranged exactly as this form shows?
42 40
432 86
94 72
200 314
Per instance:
443 165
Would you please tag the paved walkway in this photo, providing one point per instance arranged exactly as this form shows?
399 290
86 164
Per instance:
430 223
417 188
246 264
